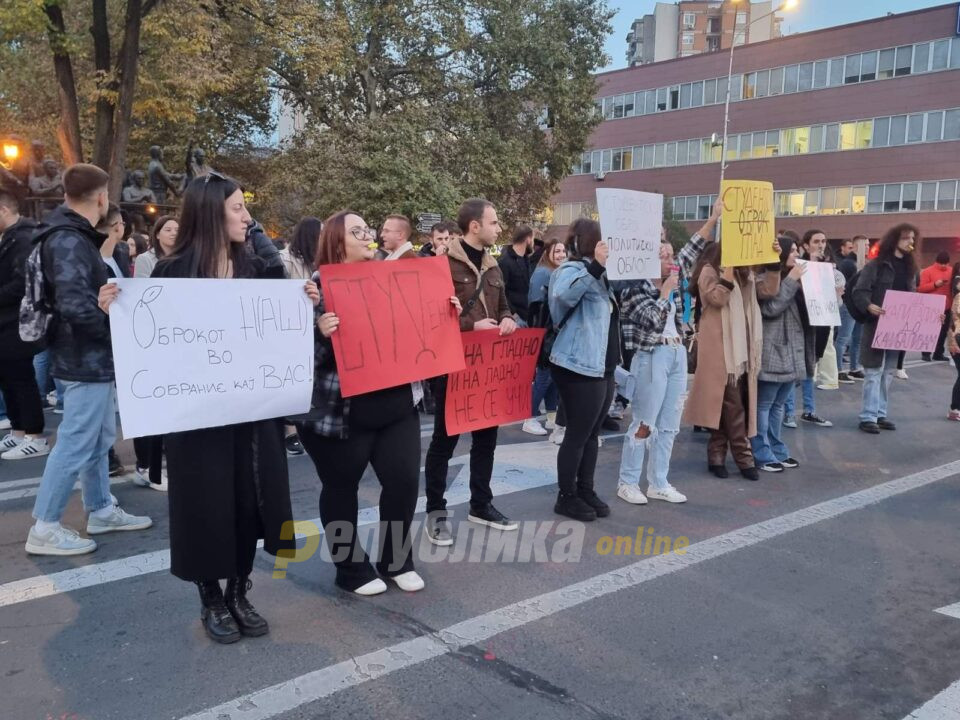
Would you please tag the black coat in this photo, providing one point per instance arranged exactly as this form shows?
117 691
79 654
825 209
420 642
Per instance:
15 247
79 341
516 272
229 485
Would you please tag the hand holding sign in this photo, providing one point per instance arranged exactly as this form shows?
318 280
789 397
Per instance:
820 294
910 321
630 223
747 223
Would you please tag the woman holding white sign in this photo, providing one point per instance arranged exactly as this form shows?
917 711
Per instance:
345 435
228 486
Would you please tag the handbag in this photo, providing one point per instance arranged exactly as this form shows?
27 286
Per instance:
550 336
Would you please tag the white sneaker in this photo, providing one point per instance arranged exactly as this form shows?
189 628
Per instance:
141 478
5 424
533 427
35 447
9 442
119 519
409 581
374 587
52 398
557 436
550 424
902 375
631 494
669 494
59 541
616 410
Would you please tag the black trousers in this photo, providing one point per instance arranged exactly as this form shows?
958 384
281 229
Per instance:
18 383
586 401
942 339
955 401
394 452
441 450
149 452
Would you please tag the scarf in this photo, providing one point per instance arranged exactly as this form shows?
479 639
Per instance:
395 255
742 332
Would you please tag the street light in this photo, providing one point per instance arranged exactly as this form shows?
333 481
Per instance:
11 151
786 5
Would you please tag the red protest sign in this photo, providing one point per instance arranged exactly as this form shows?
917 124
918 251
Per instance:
496 386
396 322
910 321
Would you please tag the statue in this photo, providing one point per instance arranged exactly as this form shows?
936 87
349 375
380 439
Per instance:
196 165
38 151
160 179
136 192
48 185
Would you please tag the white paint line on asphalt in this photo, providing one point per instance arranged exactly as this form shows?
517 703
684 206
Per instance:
525 457
950 611
944 705
27 492
310 687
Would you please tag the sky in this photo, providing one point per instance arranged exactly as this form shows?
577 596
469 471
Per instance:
808 15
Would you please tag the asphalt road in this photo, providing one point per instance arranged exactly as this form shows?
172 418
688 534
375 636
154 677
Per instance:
811 594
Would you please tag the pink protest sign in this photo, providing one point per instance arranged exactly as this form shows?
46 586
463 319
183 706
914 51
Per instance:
911 321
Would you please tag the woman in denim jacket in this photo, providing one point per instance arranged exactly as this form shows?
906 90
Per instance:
584 355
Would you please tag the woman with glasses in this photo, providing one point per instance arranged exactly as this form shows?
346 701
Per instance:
228 486
344 435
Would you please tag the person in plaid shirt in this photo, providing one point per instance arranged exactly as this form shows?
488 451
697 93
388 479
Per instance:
652 326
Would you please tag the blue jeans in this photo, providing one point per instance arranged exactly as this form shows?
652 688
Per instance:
767 445
84 437
844 338
809 406
876 387
3 408
41 366
544 391
661 380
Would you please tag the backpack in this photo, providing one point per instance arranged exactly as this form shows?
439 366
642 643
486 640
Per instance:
36 308
855 312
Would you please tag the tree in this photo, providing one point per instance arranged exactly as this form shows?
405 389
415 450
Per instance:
435 101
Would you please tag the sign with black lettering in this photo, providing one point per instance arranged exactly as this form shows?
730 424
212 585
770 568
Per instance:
196 353
746 223
496 387
910 321
630 222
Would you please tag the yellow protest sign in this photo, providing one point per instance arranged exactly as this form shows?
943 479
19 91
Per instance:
746 230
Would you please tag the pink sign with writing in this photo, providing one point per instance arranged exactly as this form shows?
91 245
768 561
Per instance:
911 321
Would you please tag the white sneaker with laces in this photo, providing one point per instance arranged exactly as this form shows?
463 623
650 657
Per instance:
9 442
557 436
532 426
29 448
141 478
902 375
58 541
631 494
119 519
409 581
669 494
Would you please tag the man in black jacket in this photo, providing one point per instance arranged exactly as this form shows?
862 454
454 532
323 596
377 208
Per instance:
81 357
18 383
516 265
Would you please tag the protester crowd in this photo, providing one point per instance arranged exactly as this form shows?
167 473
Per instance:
743 332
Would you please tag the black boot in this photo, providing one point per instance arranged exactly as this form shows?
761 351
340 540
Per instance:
719 470
571 505
591 499
217 620
250 621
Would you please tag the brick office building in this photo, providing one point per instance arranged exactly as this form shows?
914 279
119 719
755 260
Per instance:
857 127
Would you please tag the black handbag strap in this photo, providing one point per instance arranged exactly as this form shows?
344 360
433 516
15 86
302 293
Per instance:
567 315
473 298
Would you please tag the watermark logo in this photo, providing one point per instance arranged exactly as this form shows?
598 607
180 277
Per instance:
645 542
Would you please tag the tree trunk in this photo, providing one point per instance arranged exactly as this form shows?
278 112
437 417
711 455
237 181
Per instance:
68 132
102 143
129 61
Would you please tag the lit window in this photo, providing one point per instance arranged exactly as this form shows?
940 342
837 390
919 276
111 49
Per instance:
841 203
858 202
749 85
848 136
828 198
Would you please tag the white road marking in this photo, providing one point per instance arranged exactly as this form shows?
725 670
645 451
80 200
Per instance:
291 694
32 491
536 462
945 705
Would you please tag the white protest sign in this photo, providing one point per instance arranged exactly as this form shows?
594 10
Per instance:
820 294
630 222
194 354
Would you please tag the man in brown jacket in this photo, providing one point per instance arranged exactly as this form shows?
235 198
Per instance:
478 284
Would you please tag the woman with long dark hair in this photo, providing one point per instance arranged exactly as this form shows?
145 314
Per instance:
228 485
729 350
787 357
584 355
345 435
300 256
544 389
894 268
163 236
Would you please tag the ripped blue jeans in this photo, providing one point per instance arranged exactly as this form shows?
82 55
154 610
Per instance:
661 381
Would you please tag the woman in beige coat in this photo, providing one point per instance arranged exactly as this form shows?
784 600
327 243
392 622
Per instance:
729 342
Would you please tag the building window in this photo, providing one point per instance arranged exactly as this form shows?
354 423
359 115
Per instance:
941 55
928 196
820 78
586 166
875 198
946 195
891 198
741 18
682 153
951 125
816 138
606 160
709 92
671 155
763 83
689 21
828 198
915 128
868 66
881 132
658 154
858 201
674 97
696 94
661 99
650 102
790 74
648 153
693 152
842 201
908 200
806 77
885 68
898 130
904 58
749 85
759 145
955 54
851 73
934 126
836 71
776 81
864 134
921 57
608 107
687 40
848 136
811 202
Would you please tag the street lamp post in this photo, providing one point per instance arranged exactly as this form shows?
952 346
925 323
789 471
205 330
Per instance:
786 5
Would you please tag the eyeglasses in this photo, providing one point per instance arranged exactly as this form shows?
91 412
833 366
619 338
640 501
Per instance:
360 232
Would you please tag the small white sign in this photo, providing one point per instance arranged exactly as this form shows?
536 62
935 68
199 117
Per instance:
193 353
820 294
630 222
